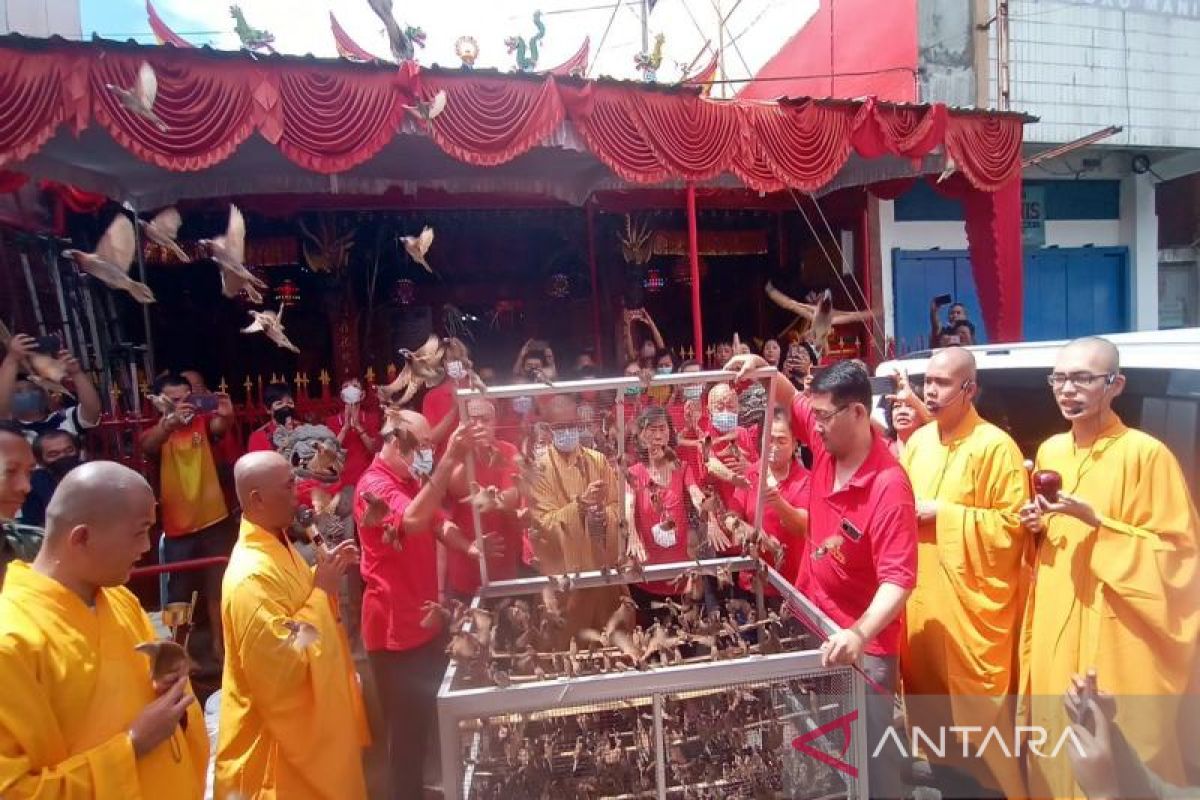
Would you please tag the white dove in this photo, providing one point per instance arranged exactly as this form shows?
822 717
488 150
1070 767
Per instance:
139 99
229 251
271 323
163 230
418 246
112 259
429 111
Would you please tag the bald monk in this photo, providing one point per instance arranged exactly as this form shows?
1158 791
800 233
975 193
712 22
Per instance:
1116 586
574 504
80 716
969 481
292 722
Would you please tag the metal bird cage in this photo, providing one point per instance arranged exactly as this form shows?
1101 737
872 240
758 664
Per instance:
710 717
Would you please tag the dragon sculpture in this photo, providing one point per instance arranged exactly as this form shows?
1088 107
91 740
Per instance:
527 61
252 38
648 63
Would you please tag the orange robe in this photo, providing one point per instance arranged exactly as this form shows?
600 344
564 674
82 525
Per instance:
292 720
1123 598
71 685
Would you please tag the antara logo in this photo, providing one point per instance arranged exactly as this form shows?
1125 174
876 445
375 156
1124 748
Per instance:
844 724
1029 739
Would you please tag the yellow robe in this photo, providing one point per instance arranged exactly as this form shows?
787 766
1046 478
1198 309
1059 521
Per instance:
71 685
1122 598
563 544
958 657
292 720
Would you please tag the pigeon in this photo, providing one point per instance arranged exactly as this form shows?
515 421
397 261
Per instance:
40 369
484 498
112 259
300 634
162 404
229 251
167 658
418 246
163 230
822 315
271 323
376 510
139 99
421 366
429 111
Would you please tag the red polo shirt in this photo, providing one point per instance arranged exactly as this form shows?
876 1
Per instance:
674 500
794 491
397 582
260 438
882 546
438 404
462 571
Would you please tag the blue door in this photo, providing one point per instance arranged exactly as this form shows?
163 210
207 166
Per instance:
1069 292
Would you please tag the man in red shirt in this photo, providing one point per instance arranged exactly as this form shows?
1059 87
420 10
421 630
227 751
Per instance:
859 561
399 567
277 397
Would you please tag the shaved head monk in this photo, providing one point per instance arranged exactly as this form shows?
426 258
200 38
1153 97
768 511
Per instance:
79 713
292 721
957 658
1117 582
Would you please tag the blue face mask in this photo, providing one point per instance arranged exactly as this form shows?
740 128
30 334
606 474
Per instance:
522 405
724 421
28 402
663 371
693 392
566 440
634 391
422 463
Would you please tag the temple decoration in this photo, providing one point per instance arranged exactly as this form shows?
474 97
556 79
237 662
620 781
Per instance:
324 250
287 293
253 39
636 242
527 55
558 286
654 280
162 33
348 48
648 63
467 50
711 243
681 270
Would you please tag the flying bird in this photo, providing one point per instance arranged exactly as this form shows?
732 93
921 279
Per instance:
163 230
139 98
271 323
429 111
418 246
112 259
822 316
229 251
421 366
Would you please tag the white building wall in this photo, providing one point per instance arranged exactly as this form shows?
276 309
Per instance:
41 18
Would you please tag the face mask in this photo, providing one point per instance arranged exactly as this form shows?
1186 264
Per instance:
522 405
692 392
724 421
663 537
634 391
28 402
352 395
422 463
455 370
282 415
663 371
566 440
58 469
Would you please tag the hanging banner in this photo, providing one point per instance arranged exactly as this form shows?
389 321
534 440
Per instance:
1033 216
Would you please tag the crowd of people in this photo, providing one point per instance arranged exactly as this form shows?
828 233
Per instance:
949 574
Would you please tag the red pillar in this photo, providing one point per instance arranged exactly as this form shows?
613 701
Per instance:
694 259
595 273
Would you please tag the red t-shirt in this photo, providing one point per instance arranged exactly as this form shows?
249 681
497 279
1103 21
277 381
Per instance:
794 491
260 438
437 404
880 548
397 582
745 441
358 458
462 571
674 500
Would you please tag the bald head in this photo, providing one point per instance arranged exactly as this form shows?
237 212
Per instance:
950 385
1099 353
266 489
958 362
94 492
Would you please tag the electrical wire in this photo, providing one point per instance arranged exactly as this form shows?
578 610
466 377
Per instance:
604 38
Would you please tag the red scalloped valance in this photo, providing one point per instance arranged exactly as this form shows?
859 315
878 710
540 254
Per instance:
332 117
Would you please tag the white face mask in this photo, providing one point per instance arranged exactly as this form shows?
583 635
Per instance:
663 537
351 395
455 370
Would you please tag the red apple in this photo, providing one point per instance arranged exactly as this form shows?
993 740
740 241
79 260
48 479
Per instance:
1048 484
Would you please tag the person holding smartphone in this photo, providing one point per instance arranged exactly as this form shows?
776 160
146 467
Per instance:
28 404
944 335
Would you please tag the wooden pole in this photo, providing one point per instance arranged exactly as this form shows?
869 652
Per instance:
694 259
597 339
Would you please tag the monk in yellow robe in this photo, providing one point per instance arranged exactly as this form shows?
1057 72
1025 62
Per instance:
81 716
292 721
1116 584
576 516
958 659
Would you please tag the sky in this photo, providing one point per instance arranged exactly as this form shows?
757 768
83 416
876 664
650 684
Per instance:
759 28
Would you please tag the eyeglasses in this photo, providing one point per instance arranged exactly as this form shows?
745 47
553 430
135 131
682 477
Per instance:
1081 380
824 417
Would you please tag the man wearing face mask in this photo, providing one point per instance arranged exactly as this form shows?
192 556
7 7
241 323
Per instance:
574 502
962 618
57 453
731 443
29 405
357 431
399 569
277 397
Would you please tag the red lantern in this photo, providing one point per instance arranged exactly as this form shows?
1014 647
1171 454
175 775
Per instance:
559 286
287 293
654 280
403 292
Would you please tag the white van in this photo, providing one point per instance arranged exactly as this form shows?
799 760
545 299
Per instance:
1161 397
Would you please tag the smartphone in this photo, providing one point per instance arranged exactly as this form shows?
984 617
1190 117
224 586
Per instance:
943 299
48 345
883 385
203 403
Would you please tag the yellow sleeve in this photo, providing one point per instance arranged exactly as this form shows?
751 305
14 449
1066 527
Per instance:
988 534
1148 559
33 762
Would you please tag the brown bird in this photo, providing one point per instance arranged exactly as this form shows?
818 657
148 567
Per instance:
327 458
229 251
271 323
484 498
139 98
377 510
300 634
167 658
163 230
112 259
822 315
421 367
429 111
418 246
40 369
